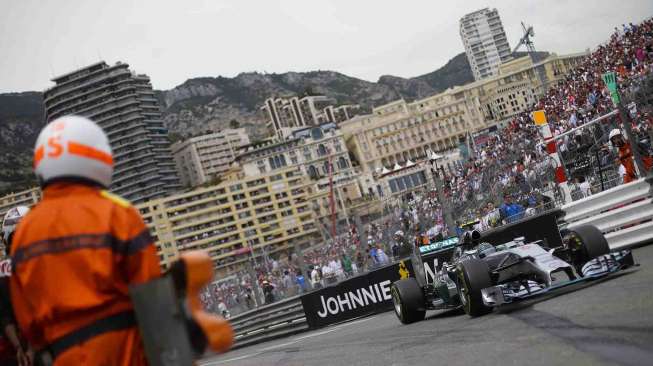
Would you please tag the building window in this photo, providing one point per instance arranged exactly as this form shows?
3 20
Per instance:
312 171
275 178
277 161
342 163
321 150
327 166
393 186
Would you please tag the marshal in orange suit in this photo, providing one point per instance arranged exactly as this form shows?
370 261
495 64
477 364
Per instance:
75 254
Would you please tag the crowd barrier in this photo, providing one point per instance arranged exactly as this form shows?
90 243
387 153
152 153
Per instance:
282 318
624 214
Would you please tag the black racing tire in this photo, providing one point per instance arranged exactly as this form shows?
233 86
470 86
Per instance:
408 300
473 276
592 241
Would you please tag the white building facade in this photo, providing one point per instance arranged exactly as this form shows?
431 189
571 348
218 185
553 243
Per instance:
485 42
201 159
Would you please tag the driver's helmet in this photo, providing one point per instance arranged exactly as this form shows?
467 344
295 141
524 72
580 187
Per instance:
485 249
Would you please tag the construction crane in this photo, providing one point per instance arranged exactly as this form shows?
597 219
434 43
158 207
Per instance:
526 41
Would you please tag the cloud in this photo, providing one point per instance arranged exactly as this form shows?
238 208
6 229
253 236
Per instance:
172 41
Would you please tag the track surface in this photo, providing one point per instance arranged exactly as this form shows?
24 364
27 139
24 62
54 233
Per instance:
604 323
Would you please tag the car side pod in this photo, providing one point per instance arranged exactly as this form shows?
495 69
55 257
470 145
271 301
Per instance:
174 327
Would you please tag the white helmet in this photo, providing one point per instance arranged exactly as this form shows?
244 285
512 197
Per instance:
73 147
10 221
613 133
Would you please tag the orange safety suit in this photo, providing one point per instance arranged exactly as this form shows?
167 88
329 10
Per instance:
626 159
74 256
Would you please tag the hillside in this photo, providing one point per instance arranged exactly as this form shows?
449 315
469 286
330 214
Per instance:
211 103
21 118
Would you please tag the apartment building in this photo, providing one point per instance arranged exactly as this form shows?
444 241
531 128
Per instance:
235 220
517 87
286 115
310 149
124 105
398 131
341 113
485 41
313 150
201 159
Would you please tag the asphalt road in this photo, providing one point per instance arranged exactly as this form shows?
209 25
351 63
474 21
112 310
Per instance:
603 323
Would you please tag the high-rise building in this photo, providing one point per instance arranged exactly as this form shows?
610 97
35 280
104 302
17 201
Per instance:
485 42
124 105
203 158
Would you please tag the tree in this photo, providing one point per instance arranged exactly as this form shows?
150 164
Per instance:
234 123
308 91
214 181
174 137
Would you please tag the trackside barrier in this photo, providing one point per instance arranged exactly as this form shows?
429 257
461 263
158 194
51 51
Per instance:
268 322
622 213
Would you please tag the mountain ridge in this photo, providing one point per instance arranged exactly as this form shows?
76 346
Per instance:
205 103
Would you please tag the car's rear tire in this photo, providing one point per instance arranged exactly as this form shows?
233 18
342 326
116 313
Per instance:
408 300
473 276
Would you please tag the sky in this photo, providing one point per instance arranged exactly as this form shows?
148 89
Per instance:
172 41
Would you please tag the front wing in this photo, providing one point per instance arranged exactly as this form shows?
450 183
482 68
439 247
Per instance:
597 268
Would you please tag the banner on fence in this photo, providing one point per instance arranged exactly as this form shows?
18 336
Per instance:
358 296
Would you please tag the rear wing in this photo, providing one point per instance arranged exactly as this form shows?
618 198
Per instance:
439 245
428 259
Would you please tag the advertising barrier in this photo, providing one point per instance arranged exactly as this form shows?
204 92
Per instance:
358 296
543 226
368 293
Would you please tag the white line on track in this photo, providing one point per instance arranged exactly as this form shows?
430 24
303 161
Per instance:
298 339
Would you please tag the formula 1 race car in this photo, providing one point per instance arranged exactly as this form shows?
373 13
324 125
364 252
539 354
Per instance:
479 276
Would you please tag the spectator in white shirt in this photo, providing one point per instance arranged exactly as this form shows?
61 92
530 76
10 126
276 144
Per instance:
316 281
584 186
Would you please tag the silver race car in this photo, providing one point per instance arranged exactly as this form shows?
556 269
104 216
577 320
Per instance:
480 276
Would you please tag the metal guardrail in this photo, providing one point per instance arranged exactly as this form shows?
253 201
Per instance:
282 318
623 213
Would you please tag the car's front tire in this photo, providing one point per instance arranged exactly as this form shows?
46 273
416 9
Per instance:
473 276
408 300
586 242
